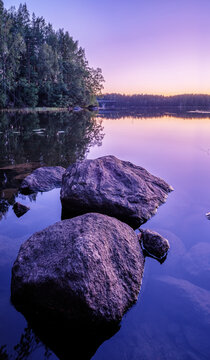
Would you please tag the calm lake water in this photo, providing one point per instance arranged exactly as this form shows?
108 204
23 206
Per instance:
171 319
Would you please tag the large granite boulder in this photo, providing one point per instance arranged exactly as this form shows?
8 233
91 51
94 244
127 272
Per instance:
87 269
43 179
113 187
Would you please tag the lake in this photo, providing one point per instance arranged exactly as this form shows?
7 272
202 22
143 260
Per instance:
171 319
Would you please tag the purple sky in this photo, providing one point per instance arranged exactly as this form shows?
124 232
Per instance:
142 46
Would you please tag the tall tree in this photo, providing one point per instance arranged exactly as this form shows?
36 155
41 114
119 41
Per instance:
39 66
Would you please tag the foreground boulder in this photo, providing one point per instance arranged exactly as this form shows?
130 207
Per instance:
113 187
87 269
153 244
43 179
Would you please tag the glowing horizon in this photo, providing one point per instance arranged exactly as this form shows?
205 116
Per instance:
154 93
149 47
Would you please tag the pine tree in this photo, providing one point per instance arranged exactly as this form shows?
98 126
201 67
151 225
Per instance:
39 66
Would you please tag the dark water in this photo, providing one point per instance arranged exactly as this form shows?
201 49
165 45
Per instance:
171 319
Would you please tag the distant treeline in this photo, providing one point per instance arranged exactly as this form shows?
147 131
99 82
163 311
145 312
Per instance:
40 66
125 101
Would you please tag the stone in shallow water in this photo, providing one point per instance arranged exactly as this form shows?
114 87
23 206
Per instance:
11 177
87 269
208 215
43 179
113 187
20 209
154 244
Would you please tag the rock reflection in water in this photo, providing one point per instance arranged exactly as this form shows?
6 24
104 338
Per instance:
67 339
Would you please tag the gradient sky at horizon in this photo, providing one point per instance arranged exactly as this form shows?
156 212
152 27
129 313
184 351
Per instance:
142 46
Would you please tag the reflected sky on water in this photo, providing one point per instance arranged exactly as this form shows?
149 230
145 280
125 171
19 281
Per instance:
171 319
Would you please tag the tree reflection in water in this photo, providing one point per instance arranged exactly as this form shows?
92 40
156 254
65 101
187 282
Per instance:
28 344
47 138
31 140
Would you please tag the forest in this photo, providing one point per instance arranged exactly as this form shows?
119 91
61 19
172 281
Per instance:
194 101
40 66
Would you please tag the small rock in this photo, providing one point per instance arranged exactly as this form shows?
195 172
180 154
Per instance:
20 209
208 215
88 268
93 108
43 179
175 257
154 244
113 187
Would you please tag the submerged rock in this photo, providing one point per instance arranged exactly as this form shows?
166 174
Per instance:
197 264
87 269
20 209
185 298
183 318
153 244
113 187
43 179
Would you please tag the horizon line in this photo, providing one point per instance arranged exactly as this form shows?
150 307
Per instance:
150 94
